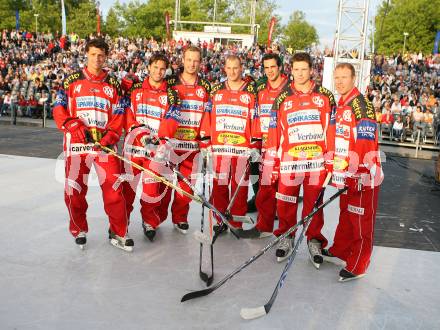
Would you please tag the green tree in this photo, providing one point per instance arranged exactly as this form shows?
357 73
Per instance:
79 15
421 19
82 19
112 25
298 33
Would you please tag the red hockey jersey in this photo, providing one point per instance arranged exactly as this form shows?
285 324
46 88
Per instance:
156 108
354 141
194 99
298 129
229 121
96 100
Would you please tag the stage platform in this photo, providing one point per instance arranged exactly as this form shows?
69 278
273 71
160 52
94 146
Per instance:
47 282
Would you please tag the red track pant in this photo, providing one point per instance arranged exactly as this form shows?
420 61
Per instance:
228 171
108 169
354 235
287 204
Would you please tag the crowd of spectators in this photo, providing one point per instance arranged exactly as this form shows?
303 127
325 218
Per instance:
404 90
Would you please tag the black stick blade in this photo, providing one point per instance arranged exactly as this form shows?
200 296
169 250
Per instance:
196 294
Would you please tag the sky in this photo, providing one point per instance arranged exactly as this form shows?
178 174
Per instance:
320 13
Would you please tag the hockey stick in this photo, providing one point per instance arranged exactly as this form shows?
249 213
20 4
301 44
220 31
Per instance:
198 235
196 197
150 173
204 276
205 292
253 313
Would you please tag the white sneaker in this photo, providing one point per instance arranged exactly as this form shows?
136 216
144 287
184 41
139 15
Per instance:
285 249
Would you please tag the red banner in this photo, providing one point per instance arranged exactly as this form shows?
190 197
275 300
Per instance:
167 23
271 27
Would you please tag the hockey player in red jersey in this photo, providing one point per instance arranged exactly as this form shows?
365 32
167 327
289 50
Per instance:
267 90
229 127
90 104
354 141
152 119
295 151
193 92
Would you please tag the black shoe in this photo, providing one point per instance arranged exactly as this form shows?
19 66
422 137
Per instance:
149 231
251 207
345 276
182 227
220 228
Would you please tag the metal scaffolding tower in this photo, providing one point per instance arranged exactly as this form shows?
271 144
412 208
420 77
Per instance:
351 36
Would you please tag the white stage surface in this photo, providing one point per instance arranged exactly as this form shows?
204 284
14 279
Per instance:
47 282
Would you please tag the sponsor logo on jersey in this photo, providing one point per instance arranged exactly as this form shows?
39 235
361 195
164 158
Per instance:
346 116
223 109
273 120
61 99
305 133
265 109
333 116
264 124
191 119
245 98
343 130
94 90
200 92
356 209
313 165
185 133
71 79
92 102
185 145
341 146
163 99
192 105
305 151
229 124
79 148
318 101
108 91
303 116
366 130
136 151
285 198
339 164
229 150
149 110
230 138
93 118
151 124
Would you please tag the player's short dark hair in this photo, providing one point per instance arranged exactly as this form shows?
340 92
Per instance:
159 57
302 57
97 43
345 65
272 56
